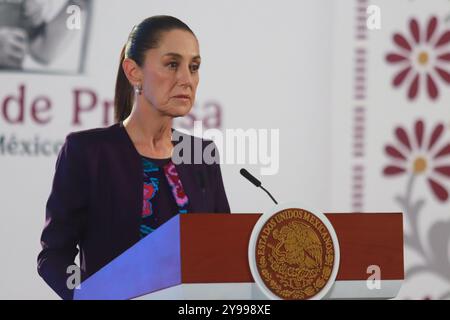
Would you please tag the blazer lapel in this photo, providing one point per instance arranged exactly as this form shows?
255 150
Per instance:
189 174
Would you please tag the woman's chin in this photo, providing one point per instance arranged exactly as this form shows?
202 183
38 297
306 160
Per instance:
179 110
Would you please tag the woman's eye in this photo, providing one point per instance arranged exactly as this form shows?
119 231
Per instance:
195 67
173 65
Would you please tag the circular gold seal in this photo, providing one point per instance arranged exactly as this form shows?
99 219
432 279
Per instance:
295 254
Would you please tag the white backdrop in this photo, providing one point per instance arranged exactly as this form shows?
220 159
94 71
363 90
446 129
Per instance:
368 110
284 65
266 64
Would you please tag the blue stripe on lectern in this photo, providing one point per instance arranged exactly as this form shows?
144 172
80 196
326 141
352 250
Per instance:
151 264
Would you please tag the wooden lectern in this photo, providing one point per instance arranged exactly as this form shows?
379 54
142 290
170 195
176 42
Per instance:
205 256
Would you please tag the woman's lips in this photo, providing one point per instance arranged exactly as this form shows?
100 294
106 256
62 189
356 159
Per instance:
182 97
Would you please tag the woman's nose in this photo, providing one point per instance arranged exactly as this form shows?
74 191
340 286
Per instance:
185 76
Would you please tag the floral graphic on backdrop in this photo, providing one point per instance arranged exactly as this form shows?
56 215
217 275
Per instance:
422 58
418 155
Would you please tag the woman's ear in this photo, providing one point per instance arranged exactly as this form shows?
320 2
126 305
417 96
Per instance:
132 71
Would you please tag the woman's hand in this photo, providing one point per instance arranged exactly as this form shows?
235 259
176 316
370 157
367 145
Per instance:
13 47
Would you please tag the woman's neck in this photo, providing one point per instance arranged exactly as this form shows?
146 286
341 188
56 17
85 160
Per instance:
150 132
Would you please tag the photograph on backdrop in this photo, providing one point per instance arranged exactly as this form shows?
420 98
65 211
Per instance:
43 36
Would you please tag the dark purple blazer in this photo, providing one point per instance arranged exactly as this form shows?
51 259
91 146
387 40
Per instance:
96 201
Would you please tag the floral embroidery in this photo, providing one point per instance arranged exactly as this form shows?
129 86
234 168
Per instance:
175 183
152 175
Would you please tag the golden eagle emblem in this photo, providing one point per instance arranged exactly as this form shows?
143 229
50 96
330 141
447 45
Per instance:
295 254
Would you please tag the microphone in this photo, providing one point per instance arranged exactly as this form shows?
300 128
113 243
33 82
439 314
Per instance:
255 182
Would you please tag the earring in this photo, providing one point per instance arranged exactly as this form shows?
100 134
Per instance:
138 89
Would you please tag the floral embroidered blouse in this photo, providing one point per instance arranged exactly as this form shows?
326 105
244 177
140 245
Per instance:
164 196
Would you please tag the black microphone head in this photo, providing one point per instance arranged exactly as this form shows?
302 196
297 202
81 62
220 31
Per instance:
250 177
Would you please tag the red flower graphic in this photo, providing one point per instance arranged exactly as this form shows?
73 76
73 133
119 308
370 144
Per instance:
423 56
419 157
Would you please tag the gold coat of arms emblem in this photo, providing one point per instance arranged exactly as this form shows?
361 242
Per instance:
294 254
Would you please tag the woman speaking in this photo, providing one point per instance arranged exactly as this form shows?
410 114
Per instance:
112 186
